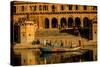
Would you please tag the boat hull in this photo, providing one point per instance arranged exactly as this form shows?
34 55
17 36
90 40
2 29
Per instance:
60 49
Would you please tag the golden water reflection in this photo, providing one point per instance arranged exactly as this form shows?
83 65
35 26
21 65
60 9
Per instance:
34 56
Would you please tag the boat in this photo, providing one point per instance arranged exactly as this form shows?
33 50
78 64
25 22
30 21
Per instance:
57 49
63 49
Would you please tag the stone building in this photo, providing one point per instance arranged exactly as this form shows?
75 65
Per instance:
51 16
27 31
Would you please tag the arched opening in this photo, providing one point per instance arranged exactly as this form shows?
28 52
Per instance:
46 23
54 23
16 33
63 22
86 22
70 22
77 22
87 25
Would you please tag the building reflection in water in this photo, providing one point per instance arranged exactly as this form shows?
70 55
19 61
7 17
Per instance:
25 57
34 56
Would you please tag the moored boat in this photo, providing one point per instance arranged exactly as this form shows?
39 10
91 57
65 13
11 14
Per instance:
45 49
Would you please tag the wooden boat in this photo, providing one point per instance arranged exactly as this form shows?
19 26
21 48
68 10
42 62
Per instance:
63 49
45 49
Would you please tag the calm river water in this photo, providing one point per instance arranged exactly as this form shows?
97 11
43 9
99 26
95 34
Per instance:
34 57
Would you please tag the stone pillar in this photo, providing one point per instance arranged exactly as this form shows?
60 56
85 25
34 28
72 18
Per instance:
81 19
66 22
67 16
73 21
50 21
41 22
58 19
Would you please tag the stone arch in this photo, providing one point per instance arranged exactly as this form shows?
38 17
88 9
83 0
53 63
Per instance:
88 27
70 22
46 23
77 22
86 22
54 23
16 33
63 22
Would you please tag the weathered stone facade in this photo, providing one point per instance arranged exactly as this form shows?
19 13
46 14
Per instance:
51 16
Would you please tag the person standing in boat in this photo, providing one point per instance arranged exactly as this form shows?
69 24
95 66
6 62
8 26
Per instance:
70 44
56 43
61 43
38 41
65 44
44 42
50 43
79 42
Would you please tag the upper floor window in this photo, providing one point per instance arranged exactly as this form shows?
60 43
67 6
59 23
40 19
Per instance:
22 8
14 9
40 7
33 8
53 8
45 7
94 7
85 7
76 7
70 7
62 7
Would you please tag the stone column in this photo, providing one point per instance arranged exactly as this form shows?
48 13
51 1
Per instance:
50 21
81 19
58 19
41 22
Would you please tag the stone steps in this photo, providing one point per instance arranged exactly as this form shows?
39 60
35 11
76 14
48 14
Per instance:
55 35
49 33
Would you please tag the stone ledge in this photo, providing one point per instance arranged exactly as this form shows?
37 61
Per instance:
25 46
